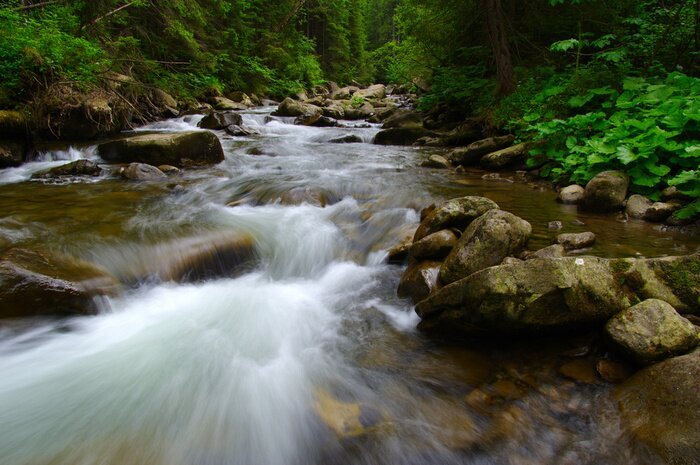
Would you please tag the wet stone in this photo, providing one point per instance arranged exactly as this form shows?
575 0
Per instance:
580 370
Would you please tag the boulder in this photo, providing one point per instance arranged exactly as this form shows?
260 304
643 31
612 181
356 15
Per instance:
486 242
606 191
672 193
344 93
349 139
574 241
220 120
435 246
545 295
652 331
309 195
69 115
141 172
457 213
436 161
382 114
13 124
32 283
11 153
404 119
316 120
463 134
552 251
165 103
241 97
505 157
637 206
363 111
419 280
376 91
571 195
660 406
471 155
180 149
224 104
660 211
241 131
290 107
400 136
335 110
76 168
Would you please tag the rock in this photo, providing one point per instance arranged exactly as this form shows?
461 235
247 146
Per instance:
436 161
464 133
505 157
349 139
13 125
458 213
510 260
290 107
471 155
545 295
141 172
224 104
178 149
324 122
399 136
580 370
376 91
347 420
309 195
575 241
637 206
571 195
220 120
361 112
612 372
344 93
555 225
382 114
335 111
166 104
672 193
169 170
606 191
307 119
241 97
35 284
399 253
660 406
659 211
241 131
419 280
76 168
553 251
404 119
652 331
11 153
486 242
435 246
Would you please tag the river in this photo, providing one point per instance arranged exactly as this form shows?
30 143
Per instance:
308 357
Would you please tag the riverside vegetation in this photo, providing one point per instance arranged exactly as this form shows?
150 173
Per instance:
240 152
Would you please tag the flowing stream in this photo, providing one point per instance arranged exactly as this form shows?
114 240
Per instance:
305 357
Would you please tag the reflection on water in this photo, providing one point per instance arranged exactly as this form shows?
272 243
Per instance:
308 357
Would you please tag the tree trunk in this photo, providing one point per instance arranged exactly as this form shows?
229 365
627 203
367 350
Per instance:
498 41
295 9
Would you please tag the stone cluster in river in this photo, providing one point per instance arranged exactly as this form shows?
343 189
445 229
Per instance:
484 282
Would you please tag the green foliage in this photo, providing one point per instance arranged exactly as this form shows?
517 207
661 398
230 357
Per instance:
37 51
647 128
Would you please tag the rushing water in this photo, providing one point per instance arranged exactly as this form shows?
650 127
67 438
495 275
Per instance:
306 358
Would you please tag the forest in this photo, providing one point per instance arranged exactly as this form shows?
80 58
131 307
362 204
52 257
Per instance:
596 84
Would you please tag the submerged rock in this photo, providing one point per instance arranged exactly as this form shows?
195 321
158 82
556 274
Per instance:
486 242
34 284
606 191
141 172
76 168
188 148
660 406
651 331
549 294
349 139
457 213
345 419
